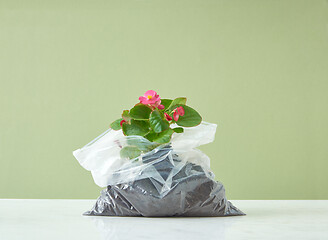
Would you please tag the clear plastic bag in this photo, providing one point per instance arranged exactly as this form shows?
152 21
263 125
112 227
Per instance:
164 180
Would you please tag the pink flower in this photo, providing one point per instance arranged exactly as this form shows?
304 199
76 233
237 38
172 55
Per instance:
121 123
167 117
179 111
150 97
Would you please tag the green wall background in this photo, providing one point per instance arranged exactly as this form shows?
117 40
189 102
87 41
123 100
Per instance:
259 69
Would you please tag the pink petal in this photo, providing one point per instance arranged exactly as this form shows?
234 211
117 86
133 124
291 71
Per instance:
156 99
151 93
152 101
123 121
175 116
161 107
180 111
143 100
167 117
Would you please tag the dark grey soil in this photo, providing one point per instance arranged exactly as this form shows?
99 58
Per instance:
191 192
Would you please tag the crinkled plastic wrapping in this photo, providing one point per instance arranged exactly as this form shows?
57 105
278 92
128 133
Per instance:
171 180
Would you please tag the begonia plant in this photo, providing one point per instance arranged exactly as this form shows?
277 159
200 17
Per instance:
153 117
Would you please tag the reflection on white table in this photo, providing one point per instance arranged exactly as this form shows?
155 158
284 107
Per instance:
62 219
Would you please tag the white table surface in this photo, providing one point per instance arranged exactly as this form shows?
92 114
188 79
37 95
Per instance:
62 219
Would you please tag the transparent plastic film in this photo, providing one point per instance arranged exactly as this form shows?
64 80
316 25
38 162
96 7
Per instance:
143 178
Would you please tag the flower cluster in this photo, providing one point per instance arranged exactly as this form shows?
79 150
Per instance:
152 99
152 118
179 111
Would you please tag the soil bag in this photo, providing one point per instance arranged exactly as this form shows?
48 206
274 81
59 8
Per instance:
143 178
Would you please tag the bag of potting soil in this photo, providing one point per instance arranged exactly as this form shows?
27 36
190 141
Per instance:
143 178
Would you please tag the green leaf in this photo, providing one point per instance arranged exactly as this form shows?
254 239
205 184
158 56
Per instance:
126 116
140 112
150 136
166 103
178 130
137 127
180 100
157 123
130 152
162 137
191 117
116 124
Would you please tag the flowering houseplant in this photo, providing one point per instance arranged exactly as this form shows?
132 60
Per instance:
152 119
151 167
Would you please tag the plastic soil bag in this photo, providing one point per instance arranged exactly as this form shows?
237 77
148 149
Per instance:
165 180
